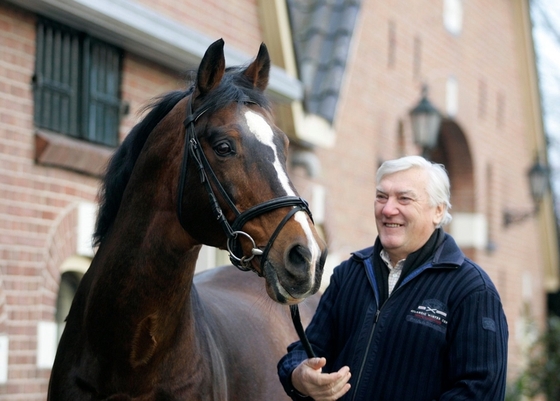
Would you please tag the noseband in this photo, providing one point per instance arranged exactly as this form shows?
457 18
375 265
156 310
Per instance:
233 231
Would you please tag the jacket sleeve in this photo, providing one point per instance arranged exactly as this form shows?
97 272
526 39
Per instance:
478 350
319 333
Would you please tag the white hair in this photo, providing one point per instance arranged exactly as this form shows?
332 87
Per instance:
438 181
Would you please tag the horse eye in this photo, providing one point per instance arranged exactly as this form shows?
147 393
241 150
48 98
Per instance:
223 149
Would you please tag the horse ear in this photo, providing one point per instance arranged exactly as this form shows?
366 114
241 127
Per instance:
211 69
258 70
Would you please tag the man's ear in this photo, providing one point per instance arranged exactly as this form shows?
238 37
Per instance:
438 216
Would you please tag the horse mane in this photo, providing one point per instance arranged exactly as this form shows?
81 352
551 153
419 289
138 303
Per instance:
123 160
234 87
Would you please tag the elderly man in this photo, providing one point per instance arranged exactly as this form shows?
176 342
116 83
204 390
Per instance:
410 318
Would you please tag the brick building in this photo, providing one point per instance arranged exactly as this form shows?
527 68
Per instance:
58 128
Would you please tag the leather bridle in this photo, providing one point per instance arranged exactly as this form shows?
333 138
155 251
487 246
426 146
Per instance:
233 231
193 148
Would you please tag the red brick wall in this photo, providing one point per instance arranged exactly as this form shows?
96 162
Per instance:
237 22
25 217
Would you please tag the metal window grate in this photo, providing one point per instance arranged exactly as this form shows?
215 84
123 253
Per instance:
104 102
76 84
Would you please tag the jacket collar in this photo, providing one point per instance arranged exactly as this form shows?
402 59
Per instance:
447 255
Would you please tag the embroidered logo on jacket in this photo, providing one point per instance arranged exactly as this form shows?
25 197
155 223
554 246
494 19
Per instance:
431 313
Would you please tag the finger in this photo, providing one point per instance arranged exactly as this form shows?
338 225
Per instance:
332 391
341 386
316 363
344 370
329 379
336 385
343 390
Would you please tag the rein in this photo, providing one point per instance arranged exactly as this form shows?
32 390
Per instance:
193 149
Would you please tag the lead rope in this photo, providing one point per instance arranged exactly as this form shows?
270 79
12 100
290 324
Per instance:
296 319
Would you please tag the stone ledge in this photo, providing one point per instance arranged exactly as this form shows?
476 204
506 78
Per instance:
62 151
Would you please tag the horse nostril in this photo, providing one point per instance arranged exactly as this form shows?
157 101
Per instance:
298 260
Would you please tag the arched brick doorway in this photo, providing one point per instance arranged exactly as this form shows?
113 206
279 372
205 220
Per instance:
454 153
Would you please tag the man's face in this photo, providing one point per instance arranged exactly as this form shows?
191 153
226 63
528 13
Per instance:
404 216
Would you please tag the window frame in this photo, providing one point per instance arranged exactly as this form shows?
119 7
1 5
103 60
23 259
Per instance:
77 84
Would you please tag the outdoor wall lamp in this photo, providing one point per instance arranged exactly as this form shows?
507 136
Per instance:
426 120
538 181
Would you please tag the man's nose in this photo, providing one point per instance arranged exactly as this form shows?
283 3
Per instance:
390 208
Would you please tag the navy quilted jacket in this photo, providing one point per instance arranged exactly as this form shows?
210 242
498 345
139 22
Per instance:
441 335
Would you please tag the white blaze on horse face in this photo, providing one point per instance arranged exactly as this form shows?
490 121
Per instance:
263 132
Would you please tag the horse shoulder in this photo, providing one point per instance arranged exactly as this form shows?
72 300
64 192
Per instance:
247 332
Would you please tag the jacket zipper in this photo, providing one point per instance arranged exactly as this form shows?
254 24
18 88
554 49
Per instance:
377 313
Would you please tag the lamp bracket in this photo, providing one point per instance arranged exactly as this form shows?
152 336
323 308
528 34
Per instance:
518 216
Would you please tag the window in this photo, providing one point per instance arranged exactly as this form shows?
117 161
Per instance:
453 16
69 282
76 84
482 98
391 59
417 60
452 96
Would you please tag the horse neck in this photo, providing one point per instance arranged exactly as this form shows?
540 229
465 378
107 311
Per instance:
142 281
143 271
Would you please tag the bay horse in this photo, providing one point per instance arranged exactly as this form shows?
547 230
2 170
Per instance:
204 166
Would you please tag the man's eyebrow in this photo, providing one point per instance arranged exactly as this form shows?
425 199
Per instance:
407 192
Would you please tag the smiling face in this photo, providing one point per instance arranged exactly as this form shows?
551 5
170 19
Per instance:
404 215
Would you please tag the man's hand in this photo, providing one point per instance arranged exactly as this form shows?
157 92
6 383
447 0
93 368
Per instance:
308 380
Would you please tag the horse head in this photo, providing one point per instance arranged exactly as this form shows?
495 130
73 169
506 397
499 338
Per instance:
248 206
